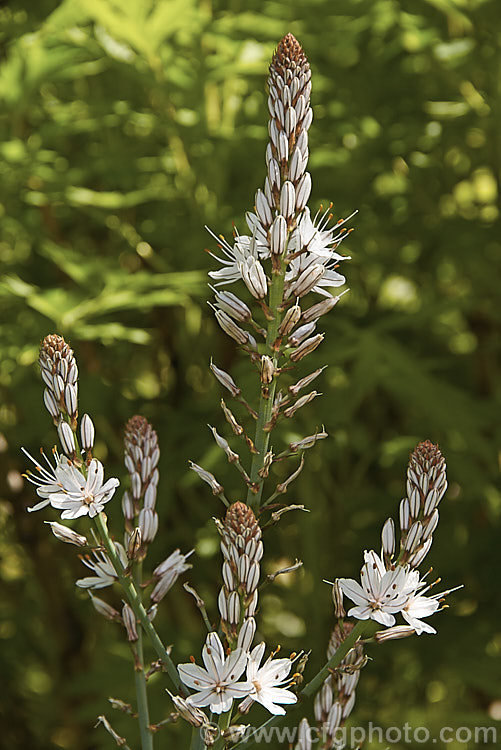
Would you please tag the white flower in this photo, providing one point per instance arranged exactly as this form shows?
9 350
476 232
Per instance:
66 488
418 606
239 258
266 682
217 684
312 236
101 565
381 594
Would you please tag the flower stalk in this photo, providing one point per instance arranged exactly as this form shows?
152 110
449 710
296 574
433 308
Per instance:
135 602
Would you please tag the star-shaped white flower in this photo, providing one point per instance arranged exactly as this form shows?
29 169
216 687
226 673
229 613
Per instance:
381 594
65 487
266 682
240 259
311 235
216 685
418 605
102 567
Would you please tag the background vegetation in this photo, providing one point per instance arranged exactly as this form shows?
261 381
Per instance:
125 128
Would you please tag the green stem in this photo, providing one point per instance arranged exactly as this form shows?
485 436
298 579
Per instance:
223 723
139 678
262 437
135 601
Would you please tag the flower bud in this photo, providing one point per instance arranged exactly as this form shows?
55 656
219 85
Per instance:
66 438
307 280
129 620
87 432
225 380
290 319
267 369
278 235
65 534
134 544
307 347
287 199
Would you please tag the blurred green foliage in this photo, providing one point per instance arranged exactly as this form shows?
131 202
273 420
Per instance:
125 128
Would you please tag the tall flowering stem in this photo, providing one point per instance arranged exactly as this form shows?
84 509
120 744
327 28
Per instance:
289 95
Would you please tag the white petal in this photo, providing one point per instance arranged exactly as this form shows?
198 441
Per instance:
75 512
353 590
194 676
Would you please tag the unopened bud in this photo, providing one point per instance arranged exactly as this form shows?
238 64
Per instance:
321 308
225 380
191 713
234 306
148 523
303 191
254 277
398 631
388 537
287 199
134 544
206 476
71 399
87 432
127 506
290 319
278 235
230 327
337 598
294 389
129 620
307 280
301 333
267 369
65 534
299 403
307 347
51 404
66 438
104 609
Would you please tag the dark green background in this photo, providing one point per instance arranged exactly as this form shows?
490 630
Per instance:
127 126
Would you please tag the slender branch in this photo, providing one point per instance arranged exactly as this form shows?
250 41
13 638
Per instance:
139 678
135 601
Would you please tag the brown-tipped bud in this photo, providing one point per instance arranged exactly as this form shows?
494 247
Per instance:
337 598
234 306
225 380
307 347
65 534
104 609
231 329
134 543
224 445
390 634
206 476
307 280
267 370
254 278
321 308
299 403
388 538
290 320
190 713
265 469
282 487
129 620
301 333
308 442
237 428
304 382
